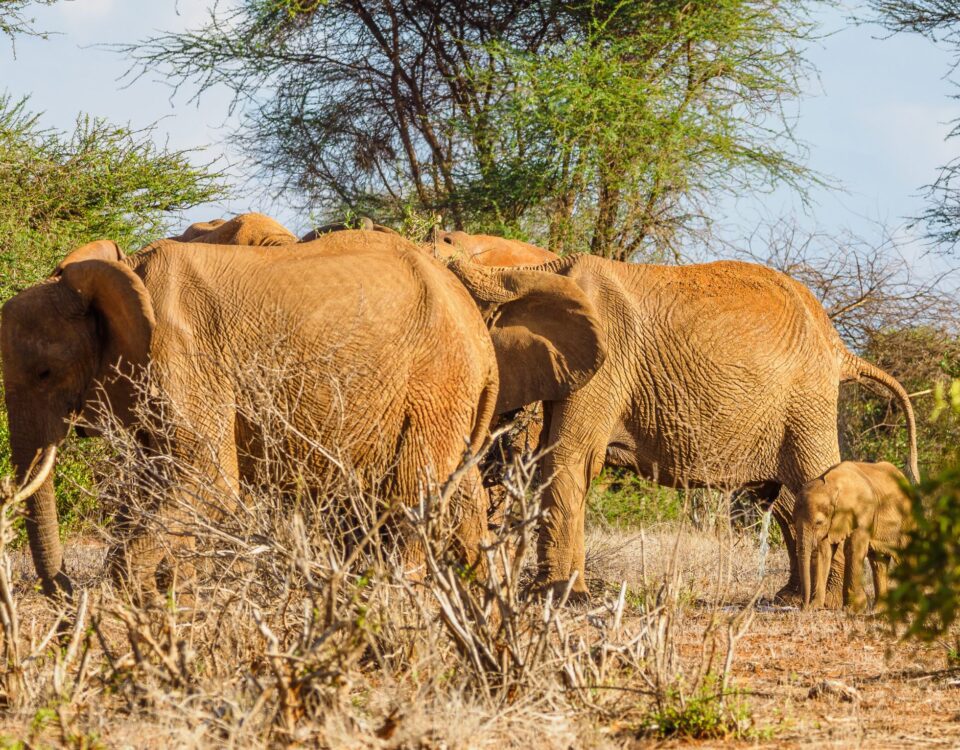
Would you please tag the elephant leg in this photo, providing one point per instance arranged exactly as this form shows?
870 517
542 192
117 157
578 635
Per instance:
470 509
879 565
856 547
825 553
811 447
560 545
782 511
835 597
204 486
427 458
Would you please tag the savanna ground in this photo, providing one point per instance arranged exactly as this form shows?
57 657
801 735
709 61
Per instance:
272 658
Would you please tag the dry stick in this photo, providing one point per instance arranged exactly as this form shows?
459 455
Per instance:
288 700
735 630
76 638
15 680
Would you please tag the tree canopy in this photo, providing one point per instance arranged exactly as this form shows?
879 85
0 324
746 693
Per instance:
59 190
13 17
608 125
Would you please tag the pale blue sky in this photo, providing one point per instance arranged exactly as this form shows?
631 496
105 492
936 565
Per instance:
875 121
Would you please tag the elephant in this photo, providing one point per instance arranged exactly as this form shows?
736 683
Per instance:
722 375
199 228
523 425
243 229
488 250
863 507
411 378
362 222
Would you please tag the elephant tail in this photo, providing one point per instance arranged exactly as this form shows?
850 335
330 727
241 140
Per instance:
855 368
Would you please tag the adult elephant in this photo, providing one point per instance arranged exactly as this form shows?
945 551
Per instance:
719 375
524 424
244 229
410 370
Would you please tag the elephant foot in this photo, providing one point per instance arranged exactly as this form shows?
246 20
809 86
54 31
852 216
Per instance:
856 606
834 598
789 596
579 596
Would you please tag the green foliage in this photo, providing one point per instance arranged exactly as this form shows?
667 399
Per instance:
585 123
622 499
871 423
12 18
702 716
651 109
60 190
925 597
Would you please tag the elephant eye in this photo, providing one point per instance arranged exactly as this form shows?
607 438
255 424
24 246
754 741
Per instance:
448 240
43 374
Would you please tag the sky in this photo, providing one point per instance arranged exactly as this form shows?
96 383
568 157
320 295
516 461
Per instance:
874 122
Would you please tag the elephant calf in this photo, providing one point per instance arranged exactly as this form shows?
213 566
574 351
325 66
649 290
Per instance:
864 507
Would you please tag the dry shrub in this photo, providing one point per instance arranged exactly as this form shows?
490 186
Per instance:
302 624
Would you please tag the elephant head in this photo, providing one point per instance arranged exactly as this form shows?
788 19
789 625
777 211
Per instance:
243 229
198 229
545 331
86 327
489 250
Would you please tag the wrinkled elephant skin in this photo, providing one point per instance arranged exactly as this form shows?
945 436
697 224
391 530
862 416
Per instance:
722 374
415 374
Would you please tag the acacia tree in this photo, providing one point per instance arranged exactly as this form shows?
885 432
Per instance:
590 122
938 20
13 18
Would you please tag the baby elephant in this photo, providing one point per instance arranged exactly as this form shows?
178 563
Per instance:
864 507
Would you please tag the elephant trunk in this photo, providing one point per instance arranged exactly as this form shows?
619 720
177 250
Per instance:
43 532
805 556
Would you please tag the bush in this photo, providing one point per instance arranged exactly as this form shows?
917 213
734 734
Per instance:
59 190
872 427
925 597
622 499
702 716
303 626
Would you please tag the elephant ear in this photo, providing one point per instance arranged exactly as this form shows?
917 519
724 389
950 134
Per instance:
107 250
110 290
545 331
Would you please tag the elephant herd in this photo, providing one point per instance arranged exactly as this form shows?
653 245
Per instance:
721 374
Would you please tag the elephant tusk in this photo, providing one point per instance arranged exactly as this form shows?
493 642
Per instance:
43 471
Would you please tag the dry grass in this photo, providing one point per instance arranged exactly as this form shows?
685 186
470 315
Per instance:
906 699
303 628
